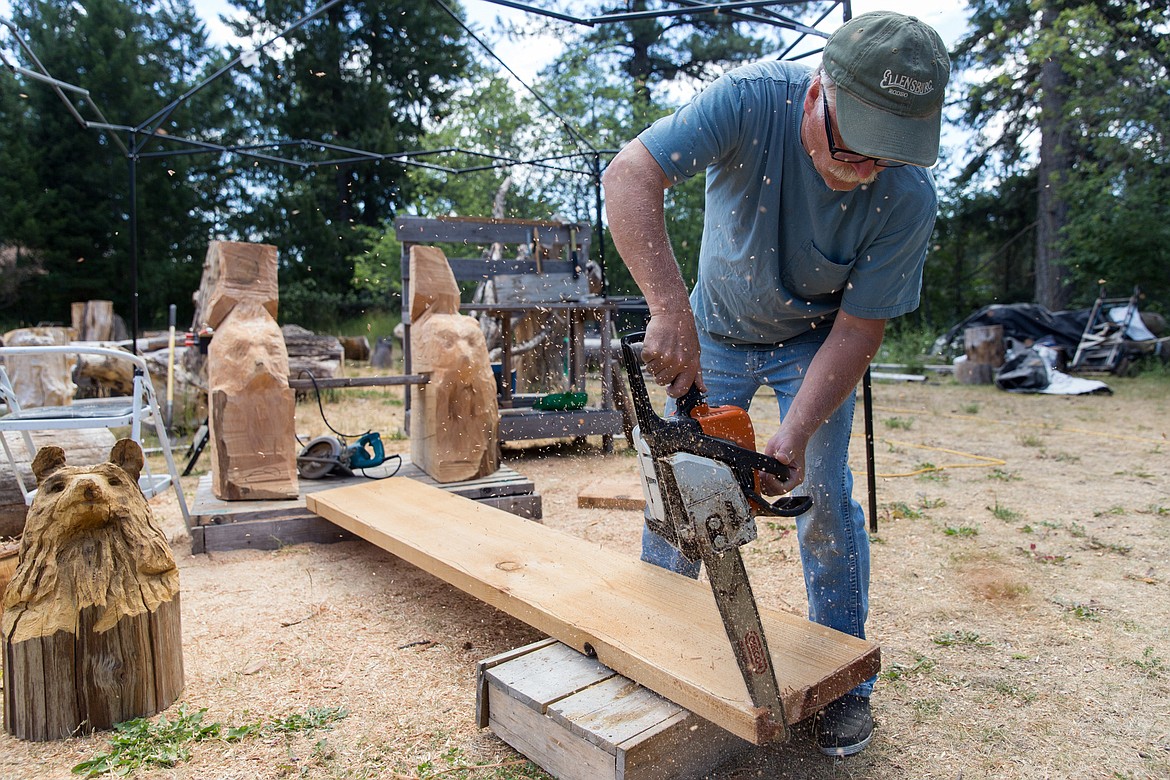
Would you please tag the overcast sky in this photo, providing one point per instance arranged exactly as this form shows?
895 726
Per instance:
946 16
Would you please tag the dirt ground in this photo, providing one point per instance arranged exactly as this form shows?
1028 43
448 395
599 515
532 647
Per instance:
1021 596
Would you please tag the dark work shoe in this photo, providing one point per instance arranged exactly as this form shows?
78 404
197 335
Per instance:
844 727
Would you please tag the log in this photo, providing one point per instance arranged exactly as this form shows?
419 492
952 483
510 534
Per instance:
356 348
253 439
93 320
310 353
984 348
455 418
91 624
41 380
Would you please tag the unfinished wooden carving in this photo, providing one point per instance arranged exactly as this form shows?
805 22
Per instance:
253 443
454 417
91 624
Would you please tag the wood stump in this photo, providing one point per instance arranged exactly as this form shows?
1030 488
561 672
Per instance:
41 380
93 320
984 348
91 630
454 430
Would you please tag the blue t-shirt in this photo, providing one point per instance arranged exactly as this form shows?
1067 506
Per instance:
781 252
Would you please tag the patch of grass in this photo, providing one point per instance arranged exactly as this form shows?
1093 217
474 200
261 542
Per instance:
1077 531
1001 512
897 671
1157 510
971 408
931 503
953 638
1150 664
900 510
1113 510
963 530
1088 612
1003 476
1030 440
926 709
1064 457
141 743
899 423
1094 543
1013 691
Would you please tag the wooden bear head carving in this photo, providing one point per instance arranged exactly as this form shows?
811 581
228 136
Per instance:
90 540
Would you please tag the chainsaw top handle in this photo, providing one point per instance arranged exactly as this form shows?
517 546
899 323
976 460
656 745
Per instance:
682 433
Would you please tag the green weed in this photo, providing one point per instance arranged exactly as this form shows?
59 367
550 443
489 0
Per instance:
963 530
896 671
1003 476
1150 664
953 638
1001 512
142 743
899 423
903 511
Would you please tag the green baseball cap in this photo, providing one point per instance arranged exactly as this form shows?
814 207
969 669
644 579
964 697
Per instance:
891 71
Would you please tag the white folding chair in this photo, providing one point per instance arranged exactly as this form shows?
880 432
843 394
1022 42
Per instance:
117 412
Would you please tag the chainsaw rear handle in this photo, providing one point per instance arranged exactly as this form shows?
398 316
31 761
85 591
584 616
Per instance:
682 433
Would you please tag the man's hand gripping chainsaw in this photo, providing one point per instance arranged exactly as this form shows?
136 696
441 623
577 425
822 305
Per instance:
701 488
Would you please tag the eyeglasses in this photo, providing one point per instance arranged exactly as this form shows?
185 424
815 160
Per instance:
845 155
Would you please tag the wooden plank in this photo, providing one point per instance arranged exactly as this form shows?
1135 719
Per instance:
684 747
619 492
269 534
631 614
486 665
542 678
544 742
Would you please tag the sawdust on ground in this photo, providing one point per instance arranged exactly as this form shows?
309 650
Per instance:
1021 596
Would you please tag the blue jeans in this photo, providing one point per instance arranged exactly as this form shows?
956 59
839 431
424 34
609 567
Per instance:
834 546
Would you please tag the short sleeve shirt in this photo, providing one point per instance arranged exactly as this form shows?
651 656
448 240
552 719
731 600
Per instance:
781 252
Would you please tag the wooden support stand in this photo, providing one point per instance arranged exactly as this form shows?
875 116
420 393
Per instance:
267 525
579 720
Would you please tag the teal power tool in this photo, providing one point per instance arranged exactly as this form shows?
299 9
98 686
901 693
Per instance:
327 455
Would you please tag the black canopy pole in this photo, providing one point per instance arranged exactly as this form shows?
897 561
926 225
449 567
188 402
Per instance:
600 234
871 477
132 158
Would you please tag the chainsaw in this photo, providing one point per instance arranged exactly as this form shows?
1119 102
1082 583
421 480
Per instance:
327 455
700 480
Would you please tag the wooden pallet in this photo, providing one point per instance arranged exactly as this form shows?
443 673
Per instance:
268 525
580 720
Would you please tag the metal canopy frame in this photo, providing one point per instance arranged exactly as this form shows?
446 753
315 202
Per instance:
140 136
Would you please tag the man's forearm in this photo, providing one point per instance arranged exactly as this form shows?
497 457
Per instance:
833 374
634 184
